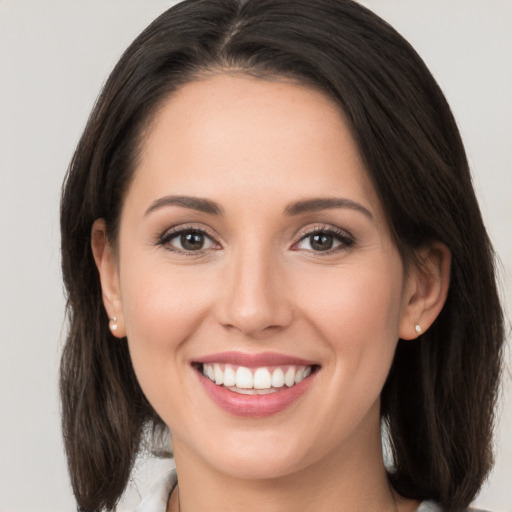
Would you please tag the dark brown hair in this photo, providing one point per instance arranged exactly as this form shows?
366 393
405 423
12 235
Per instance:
438 402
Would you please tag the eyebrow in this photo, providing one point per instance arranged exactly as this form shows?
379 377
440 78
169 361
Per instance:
325 203
297 208
193 203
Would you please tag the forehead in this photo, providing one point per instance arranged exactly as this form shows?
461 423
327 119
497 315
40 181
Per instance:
251 137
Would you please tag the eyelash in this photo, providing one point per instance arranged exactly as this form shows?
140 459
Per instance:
173 233
345 239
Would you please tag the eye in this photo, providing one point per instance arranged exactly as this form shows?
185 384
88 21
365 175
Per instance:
324 240
188 240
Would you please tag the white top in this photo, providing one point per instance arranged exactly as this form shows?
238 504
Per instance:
156 500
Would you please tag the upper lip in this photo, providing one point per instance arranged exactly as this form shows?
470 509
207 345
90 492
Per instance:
254 360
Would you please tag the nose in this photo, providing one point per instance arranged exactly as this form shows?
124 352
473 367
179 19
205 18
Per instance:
255 295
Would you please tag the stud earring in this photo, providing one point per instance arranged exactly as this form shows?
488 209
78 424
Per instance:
113 323
417 328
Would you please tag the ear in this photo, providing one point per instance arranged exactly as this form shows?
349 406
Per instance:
109 276
426 289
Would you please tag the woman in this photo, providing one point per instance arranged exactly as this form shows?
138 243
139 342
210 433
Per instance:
272 247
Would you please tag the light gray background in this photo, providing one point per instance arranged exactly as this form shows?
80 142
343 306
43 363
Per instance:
54 57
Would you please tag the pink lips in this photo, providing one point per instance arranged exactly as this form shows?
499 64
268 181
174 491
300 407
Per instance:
254 406
254 360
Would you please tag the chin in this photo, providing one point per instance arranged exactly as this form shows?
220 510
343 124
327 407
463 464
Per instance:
259 467
247 455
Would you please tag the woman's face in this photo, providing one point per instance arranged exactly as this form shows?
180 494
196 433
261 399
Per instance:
253 248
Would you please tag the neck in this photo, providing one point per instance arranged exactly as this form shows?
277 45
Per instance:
351 478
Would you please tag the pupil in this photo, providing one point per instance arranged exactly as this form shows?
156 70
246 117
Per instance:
321 242
192 241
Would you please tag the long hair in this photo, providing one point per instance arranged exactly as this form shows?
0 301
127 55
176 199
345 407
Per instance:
438 401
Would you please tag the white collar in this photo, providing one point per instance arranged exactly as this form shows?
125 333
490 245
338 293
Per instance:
158 497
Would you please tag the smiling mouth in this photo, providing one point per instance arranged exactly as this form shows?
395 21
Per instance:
262 380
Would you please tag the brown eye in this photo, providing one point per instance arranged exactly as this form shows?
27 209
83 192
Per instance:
321 242
324 240
187 240
192 241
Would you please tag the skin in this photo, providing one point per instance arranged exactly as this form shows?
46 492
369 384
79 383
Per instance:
254 147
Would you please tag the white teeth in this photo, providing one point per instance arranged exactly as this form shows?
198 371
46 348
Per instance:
243 378
229 376
243 391
262 379
219 374
256 380
252 391
277 378
289 376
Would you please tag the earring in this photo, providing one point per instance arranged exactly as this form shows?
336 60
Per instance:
113 323
417 328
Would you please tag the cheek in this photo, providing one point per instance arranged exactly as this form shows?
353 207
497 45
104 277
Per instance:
156 297
162 311
357 314
356 318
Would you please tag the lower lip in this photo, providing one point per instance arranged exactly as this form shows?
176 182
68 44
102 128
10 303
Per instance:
254 406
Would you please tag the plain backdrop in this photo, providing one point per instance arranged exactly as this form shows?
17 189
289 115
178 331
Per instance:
54 57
